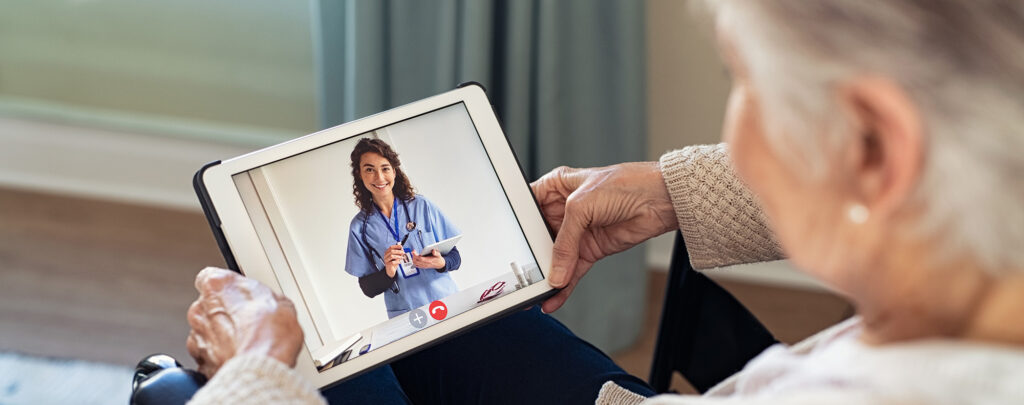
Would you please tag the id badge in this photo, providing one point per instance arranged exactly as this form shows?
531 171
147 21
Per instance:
408 270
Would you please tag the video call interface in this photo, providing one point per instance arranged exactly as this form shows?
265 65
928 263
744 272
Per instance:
384 234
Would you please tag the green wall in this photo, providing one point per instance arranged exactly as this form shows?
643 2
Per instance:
229 63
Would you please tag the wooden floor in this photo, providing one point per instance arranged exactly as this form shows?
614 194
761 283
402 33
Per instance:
96 280
110 282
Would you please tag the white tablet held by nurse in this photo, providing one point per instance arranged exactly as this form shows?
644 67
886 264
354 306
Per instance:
393 225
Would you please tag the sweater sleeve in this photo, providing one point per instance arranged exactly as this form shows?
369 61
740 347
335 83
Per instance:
612 394
258 380
721 223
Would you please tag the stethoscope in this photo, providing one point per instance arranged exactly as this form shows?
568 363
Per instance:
409 227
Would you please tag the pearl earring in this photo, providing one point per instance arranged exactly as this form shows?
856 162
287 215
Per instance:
858 213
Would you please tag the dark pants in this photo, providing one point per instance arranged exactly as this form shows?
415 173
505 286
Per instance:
524 358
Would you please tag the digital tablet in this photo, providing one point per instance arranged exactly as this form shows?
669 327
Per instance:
443 247
323 219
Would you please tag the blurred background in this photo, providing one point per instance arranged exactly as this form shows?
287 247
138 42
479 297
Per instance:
107 107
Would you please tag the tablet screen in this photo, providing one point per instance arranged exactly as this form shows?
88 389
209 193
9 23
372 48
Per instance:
342 227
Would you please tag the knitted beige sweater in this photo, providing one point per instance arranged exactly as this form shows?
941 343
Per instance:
718 217
254 379
719 220
722 226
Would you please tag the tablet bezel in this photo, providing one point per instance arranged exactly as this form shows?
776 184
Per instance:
240 234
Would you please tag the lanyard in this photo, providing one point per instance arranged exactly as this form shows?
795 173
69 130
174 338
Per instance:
394 209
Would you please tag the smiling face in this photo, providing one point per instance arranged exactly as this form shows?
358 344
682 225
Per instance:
378 176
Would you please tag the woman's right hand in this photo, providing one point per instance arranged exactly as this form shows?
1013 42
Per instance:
392 258
599 212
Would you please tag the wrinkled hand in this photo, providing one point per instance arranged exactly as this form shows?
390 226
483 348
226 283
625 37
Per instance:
236 315
432 261
599 212
394 256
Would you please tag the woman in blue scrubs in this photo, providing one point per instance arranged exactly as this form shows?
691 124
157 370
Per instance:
390 211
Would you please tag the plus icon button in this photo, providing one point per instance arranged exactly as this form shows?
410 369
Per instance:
418 318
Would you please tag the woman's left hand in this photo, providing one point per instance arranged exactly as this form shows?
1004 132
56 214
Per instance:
236 315
432 261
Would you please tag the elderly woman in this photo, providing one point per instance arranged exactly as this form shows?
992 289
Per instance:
881 140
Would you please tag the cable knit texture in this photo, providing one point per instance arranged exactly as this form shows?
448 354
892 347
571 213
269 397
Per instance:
720 221
613 394
255 379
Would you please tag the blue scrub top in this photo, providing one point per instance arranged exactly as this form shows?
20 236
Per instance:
431 227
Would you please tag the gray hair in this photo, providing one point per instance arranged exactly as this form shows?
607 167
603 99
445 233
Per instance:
962 64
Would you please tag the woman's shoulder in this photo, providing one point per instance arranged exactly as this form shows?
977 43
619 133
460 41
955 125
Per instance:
357 221
842 365
420 200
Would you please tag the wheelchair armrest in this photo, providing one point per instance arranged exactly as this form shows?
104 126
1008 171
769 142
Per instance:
705 333
160 380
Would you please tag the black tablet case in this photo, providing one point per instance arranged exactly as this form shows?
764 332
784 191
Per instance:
211 216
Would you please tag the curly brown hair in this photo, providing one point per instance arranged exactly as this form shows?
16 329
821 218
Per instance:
402 188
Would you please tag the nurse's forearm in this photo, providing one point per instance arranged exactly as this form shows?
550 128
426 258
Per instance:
452 260
375 283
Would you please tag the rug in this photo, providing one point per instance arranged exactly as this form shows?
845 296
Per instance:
28 379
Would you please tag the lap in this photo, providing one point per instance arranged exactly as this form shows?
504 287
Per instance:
527 357
378 386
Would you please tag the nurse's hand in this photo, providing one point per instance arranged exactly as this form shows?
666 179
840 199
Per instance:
235 315
432 261
598 212
394 256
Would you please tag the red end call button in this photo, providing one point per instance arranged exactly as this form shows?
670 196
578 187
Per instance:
438 310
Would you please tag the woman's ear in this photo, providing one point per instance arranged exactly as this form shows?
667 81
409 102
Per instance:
886 152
